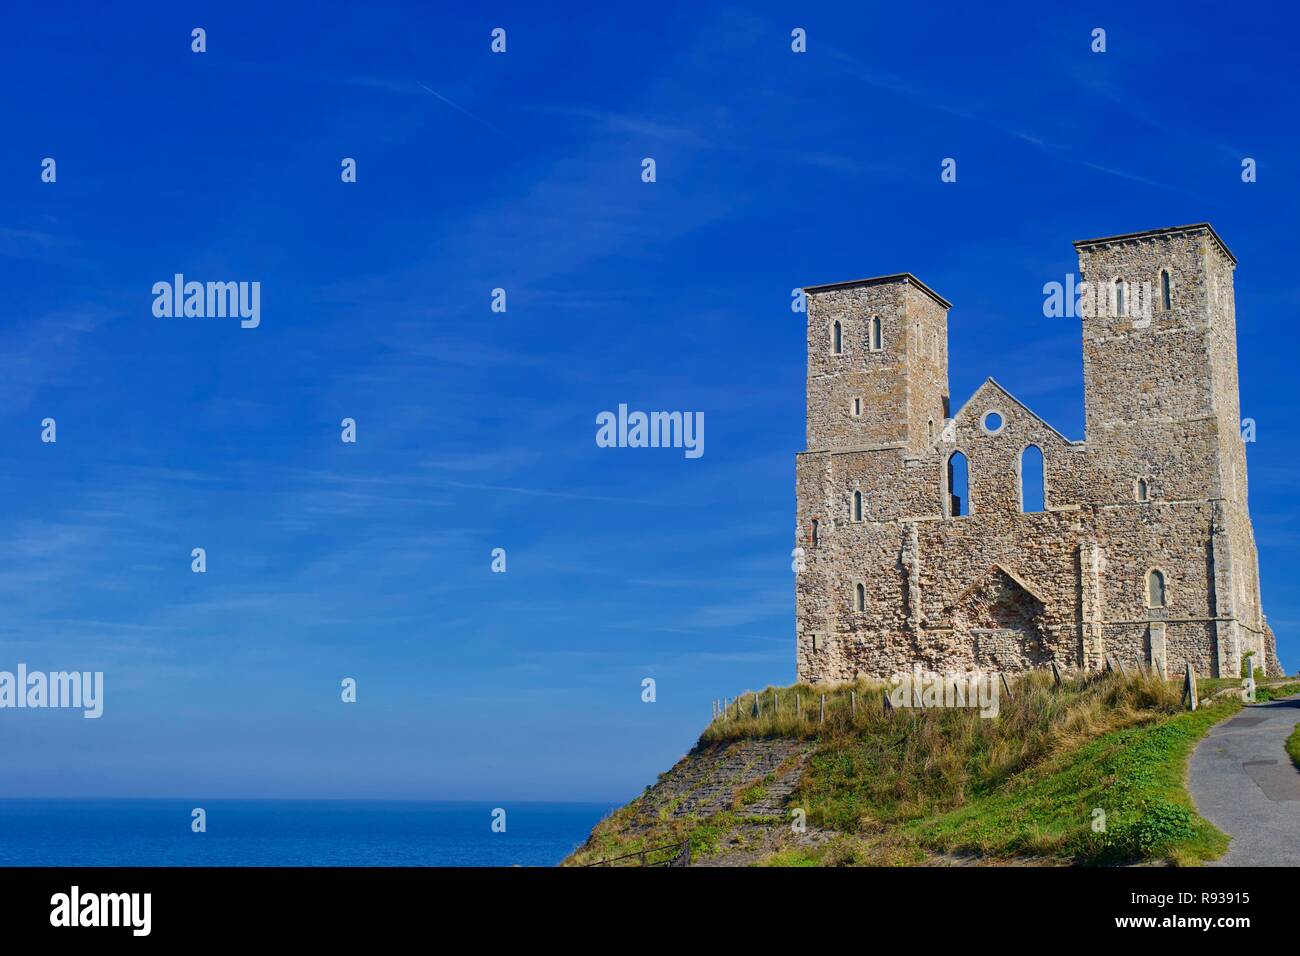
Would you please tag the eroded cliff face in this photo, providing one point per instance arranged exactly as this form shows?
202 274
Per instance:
743 785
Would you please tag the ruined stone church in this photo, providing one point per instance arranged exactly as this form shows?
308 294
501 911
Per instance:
984 538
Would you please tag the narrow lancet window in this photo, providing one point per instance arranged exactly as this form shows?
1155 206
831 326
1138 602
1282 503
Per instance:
1156 588
1031 479
957 488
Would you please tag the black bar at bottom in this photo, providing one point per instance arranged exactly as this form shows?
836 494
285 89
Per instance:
936 903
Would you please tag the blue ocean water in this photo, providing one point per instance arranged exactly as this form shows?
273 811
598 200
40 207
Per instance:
289 833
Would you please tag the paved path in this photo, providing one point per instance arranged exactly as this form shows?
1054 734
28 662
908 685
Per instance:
1242 780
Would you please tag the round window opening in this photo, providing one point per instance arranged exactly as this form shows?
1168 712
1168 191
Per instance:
992 422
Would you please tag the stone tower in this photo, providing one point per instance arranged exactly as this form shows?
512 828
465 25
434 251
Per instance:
1141 548
877 363
1161 400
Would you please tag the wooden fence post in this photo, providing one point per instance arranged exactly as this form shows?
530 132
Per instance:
822 718
1056 674
1006 688
1189 688
853 703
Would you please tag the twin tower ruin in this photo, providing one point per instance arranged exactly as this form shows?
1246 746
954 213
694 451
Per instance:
984 538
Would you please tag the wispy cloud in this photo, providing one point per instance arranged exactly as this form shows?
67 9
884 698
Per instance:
460 109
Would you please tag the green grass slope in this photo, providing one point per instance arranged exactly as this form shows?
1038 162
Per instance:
1091 772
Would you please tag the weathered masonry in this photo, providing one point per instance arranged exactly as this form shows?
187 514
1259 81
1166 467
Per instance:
984 538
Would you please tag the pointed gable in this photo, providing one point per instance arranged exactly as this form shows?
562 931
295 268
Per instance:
992 395
993 571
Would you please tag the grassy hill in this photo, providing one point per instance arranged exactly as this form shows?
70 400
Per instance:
1090 772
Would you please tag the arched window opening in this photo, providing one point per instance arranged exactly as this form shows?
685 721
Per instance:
816 532
837 336
860 597
1121 305
877 339
1031 479
1143 490
1156 589
929 430
957 491
857 407
1166 295
857 506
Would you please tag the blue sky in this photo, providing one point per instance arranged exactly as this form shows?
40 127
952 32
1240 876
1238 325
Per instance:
476 429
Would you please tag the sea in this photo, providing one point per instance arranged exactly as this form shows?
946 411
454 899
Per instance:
290 833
